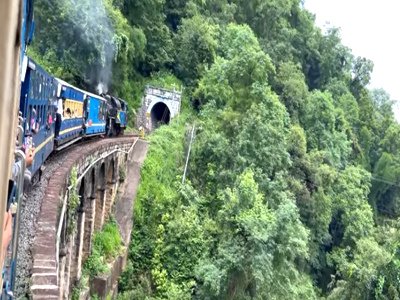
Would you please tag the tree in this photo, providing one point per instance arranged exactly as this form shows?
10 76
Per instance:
197 44
292 89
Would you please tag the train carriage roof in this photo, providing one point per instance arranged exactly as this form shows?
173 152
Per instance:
82 91
36 67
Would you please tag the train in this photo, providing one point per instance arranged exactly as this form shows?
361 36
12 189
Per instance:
44 101
83 114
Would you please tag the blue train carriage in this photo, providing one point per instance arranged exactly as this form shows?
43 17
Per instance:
95 108
37 102
70 105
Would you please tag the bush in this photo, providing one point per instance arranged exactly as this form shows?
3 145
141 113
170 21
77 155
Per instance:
106 245
95 264
108 242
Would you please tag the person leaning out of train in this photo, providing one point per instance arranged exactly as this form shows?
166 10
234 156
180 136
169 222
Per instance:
35 126
49 120
58 121
29 158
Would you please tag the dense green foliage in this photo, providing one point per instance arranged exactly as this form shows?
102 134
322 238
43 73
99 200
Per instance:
106 246
292 186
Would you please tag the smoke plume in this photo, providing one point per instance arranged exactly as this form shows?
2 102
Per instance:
96 35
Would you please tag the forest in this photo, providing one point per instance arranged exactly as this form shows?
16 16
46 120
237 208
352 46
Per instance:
292 188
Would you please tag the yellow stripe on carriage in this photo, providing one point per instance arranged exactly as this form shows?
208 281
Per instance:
38 148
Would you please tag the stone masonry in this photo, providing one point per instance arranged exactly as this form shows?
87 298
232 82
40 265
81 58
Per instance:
53 277
152 96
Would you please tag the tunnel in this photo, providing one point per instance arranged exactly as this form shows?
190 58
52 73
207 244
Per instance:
160 115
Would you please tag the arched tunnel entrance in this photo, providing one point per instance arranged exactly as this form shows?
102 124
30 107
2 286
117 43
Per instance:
159 115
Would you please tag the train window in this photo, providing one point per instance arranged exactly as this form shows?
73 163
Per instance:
34 86
31 84
38 113
31 119
40 79
53 88
28 119
45 89
35 92
41 87
49 89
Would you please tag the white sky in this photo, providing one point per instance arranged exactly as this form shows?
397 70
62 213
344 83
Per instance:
371 29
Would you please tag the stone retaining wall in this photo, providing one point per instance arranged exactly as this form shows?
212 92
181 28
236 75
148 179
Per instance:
52 278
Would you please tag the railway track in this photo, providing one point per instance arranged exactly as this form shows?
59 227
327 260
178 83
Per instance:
30 208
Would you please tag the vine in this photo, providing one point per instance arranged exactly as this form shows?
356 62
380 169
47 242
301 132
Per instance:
73 201
122 174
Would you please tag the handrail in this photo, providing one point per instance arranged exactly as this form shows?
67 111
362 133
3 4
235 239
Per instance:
64 207
20 192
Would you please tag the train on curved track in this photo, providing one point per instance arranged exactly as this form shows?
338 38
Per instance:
43 100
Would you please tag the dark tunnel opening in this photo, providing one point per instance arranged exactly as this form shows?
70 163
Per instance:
160 115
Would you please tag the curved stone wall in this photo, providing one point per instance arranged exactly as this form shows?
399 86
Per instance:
57 261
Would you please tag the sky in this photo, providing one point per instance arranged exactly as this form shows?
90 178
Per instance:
371 29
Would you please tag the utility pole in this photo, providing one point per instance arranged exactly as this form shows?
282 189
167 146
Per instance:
187 157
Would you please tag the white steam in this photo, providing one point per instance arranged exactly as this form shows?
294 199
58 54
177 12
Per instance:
101 88
96 33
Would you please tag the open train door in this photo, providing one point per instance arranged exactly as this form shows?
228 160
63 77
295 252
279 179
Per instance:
10 50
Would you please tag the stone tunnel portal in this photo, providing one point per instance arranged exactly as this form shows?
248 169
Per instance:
160 115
